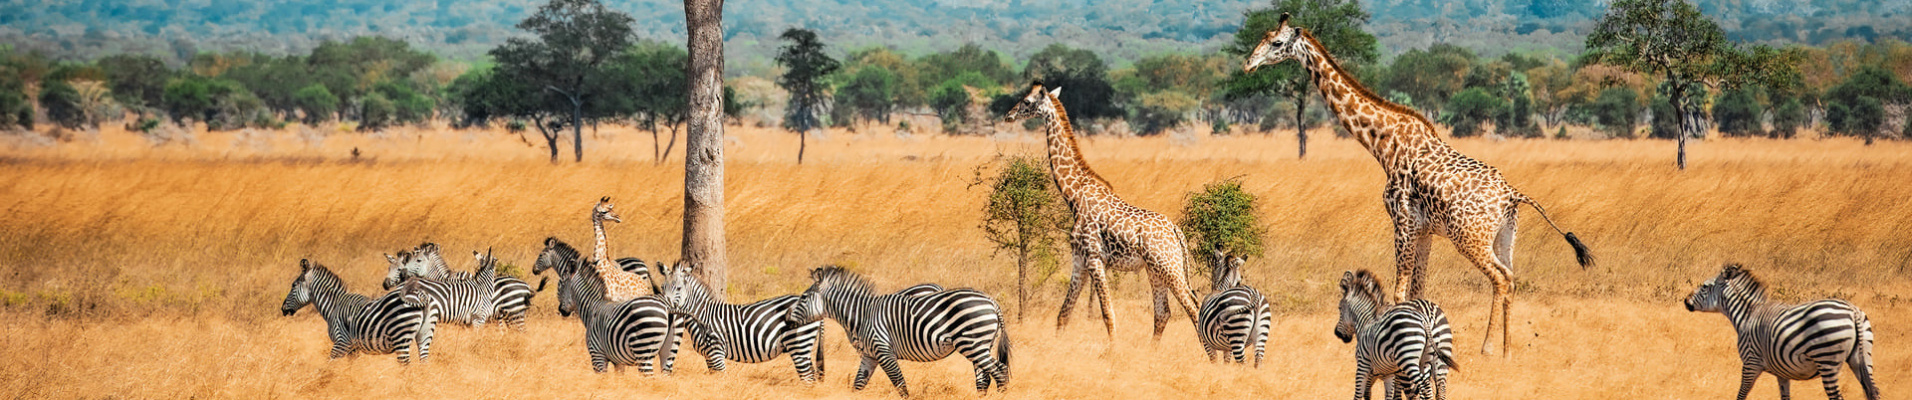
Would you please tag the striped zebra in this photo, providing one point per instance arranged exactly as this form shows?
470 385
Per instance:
465 298
557 254
631 332
1411 344
511 297
1791 342
749 333
1234 318
360 324
921 323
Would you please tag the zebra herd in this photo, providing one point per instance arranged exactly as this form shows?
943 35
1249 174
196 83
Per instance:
1408 346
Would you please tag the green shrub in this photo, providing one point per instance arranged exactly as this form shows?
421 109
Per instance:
317 103
1468 109
1788 117
1162 111
1617 110
1737 114
1027 215
1222 217
62 104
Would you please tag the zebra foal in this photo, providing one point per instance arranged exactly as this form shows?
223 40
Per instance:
359 324
1410 344
921 323
1791 342
1235 317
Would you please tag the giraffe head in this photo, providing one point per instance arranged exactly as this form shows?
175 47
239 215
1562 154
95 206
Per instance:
1034 103
1733 282
603 211
1361 300
1278 45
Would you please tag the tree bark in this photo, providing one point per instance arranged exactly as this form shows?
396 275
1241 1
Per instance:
1022 278
1679 111
803 141
704 145
1301 126
577 129
550 138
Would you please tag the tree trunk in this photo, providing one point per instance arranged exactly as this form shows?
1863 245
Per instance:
550 138
1679 111
1022 279
577 128
803 141
657 155
670 143
704 145
1301 125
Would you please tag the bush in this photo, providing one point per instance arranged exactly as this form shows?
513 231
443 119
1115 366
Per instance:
1162 111
951 102
1617 111
1222 218
1468 109
317 103
62 104
376 112
15 110
1867 116
1666 121
1025 213
1788 117
1737 113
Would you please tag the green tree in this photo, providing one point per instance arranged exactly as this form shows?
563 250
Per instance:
805 65
15 110
1787 118
1672 40
869 94
1871 82
1025 214
1160 111
1222 218
62 104
951 99
376 112
574 39
136 80
1737 112
652 75
941 67
1468 109
317 103
1431 76
1335 23
1617 110
1083 77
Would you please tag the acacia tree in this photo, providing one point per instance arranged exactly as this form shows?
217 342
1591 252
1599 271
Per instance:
1025 214
575 37
1336 23
805 67
1672 40
704 144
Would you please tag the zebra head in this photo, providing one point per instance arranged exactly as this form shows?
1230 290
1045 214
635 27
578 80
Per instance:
301 293
603 211
557 255
808 308
1735 284
396 270
572 288
1226 273
834 287
1361 301
680 287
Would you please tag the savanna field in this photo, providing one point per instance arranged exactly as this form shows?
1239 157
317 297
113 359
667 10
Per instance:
131 271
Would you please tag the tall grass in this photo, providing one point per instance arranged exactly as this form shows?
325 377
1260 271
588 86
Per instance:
163 268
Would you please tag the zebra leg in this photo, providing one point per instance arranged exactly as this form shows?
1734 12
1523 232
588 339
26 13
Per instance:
1860 360
802 358
1363 383
1829 373
1747 375
863 373
1261 344
977 351
598 362
1785 388
887 358
404 349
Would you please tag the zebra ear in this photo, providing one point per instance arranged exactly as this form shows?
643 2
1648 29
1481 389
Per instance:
606 199
549 241
305 264
1346 276
1733 270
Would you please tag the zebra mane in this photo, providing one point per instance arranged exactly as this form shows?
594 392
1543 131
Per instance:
1736 276
568 257
1366 284
837 275
323 277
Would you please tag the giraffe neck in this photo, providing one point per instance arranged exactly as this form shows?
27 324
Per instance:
1073 177
599 254
1363 113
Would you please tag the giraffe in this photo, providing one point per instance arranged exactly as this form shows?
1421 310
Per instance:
1108 232
1432 189
619 285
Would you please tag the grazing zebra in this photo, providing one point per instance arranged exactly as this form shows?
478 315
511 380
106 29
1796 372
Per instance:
749 333
511 297
1792 342
465 298
630 332
557 254
916 324
1409 343
1235 317
359 324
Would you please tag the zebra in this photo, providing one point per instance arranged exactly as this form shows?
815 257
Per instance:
465 298
1791 342
511 297
1409 343
921 323
557 254
631 332
749 333
359 324
1235 317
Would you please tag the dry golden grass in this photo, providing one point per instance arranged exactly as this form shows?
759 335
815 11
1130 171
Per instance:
137 272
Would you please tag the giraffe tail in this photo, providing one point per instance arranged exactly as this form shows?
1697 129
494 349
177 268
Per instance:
1580 252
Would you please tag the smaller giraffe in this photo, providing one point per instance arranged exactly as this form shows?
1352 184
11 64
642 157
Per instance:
618 284
1108 232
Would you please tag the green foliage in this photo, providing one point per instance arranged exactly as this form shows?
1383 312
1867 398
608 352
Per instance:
408 107
222 104
1860 117
1857 94
62 104
951 99
15 110
376 112
1222 217
1737 112
1617 110
1516 118
1431 76
970 58
1671 40
655 89
1337 24
1788 117
1666 120
564 65
805 65
136 80
349 69
1025 214
1083 77
870 94
1161 111
1468 109
318 104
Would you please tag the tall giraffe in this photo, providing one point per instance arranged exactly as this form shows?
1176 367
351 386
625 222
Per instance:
1432 189
1108 232
619 285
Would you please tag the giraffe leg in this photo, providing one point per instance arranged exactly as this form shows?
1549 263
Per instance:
1160 294
1480 251
1410 261
1173 269
1099 279
1077 277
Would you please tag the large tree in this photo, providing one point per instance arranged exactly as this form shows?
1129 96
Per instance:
574 38
1083 77
1336 23
704 144
1672 40
805 65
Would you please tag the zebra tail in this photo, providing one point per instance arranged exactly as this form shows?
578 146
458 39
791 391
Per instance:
1581 254
1002 343
541 281
1254 325
1861 359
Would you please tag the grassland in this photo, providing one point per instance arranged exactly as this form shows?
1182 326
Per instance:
139 272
